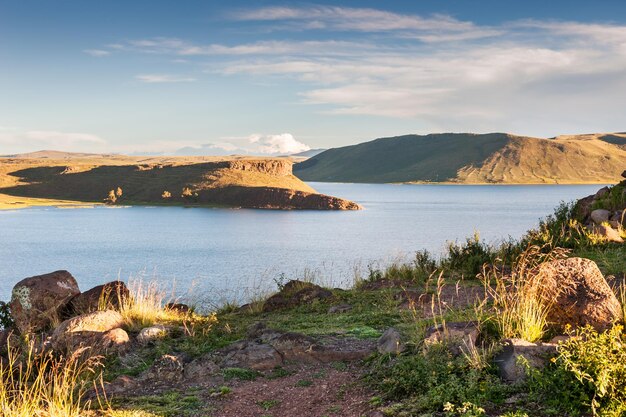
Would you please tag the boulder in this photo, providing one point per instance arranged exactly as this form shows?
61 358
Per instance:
251 355
116 339
619 217
296 293
89 330
40 301
152 333
510 363
390 342
102 297
460 336
199 369
578 294
600 216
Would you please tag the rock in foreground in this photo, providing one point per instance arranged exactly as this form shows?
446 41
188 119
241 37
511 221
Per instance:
38 302
580 293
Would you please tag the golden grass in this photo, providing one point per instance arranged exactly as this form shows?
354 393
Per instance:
145 305
34 384
520 300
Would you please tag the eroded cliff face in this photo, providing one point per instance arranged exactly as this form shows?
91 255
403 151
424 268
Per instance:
276 167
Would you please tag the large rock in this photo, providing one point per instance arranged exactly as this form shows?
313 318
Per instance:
102 297
517 353
600 216
579 294
40 301
88 330
296 293
390 342
152 333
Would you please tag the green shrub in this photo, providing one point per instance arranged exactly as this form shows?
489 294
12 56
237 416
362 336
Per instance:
615 199
469 257
598 362
6 320
426 381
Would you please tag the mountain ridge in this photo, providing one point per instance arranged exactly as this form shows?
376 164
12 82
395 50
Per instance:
473 158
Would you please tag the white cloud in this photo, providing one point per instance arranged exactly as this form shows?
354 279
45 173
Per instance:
163 78
15 140
97 52
523 76
283 144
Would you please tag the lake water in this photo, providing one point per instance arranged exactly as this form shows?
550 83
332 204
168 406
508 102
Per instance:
225 254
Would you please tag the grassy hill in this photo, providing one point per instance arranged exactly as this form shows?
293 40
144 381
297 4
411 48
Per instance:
208 181
473 158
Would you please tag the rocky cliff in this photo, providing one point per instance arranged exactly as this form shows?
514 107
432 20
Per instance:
229 182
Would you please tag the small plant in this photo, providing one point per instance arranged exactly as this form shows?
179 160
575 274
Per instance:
166 195
304 383
278 372
280 281
598 361
6 319
467 409
268 404
118 192
240 373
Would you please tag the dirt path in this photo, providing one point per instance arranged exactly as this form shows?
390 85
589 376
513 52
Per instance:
309 391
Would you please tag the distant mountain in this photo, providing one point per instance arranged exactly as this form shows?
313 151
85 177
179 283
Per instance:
309 154
473 158
49 154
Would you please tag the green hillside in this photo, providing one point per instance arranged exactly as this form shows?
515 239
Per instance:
472 158
435 157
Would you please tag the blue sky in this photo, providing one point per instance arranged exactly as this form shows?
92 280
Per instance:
272 77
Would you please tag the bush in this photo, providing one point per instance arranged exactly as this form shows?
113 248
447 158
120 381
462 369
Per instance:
427 381
598 362
469 257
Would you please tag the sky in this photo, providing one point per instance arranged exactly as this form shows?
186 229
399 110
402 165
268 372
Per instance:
269 77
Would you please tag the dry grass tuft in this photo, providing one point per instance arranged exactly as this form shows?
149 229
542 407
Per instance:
36 384
145 306
521 301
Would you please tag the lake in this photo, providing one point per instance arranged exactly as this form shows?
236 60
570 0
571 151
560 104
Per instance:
225 254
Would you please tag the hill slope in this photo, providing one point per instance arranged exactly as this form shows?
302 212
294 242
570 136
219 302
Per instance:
472 158
231 182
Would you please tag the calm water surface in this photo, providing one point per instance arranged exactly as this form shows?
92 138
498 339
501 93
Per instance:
228 254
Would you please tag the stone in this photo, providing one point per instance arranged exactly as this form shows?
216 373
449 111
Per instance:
251 355
40 301
87 330
460 336
606 232
600 216
619 217
151 334
578 294
601 193
509 359
390 342
166 369
199 369
624 174
101 297
115 339
339 308
296 293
